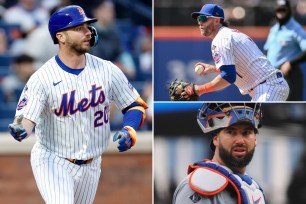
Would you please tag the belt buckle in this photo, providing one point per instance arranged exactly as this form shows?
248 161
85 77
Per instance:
80 162
75 161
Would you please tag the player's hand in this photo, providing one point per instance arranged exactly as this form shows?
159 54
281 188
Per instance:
285 68
208 68
17 130
126 137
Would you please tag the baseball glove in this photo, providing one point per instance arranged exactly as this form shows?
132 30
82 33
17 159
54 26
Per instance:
182 91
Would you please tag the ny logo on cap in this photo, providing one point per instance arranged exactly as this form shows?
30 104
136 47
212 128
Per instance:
81 11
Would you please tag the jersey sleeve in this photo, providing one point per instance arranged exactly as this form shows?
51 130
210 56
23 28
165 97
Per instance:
222 52
32 99
122 91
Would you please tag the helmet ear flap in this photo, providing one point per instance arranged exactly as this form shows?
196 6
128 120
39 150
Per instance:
94 36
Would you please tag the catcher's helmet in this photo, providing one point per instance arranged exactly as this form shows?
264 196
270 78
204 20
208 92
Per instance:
215 116
67 17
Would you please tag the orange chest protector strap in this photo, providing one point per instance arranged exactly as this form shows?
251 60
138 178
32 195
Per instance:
209 179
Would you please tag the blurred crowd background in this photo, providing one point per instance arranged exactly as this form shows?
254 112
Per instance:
237 12
278 165
125 38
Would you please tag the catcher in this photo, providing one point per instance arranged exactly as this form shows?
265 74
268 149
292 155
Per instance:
238 61
223 180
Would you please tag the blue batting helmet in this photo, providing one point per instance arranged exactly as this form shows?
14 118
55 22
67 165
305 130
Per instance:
67 17
213 117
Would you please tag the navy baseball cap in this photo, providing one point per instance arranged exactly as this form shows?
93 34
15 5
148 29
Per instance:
282 4
209 10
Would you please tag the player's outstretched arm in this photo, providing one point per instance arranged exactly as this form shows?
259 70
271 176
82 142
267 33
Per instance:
21 128
217 83
226 77
133 119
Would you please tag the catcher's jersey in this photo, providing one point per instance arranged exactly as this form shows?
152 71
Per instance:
230 47
71 111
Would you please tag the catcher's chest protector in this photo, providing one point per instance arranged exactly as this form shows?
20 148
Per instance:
209 179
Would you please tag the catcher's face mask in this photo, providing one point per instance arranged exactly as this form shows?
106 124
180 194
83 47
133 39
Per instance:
213 116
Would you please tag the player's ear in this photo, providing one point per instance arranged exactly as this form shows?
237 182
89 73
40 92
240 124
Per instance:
217 20
216 141
60 37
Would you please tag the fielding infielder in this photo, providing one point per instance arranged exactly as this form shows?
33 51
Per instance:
223 180
238 60
67 101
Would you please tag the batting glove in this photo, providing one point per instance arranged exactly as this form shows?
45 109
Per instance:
126 137
17 130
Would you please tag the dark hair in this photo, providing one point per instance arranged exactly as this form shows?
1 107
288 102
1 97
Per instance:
224 23
23 58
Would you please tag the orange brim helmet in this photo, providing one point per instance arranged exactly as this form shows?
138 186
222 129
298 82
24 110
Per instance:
213 117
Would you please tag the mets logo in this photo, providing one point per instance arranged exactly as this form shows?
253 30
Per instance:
81 11
216 56
22 103
69 105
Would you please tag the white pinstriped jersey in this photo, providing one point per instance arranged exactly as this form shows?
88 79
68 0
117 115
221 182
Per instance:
230 47
71 111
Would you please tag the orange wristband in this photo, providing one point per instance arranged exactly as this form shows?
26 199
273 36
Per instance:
217 70
205 88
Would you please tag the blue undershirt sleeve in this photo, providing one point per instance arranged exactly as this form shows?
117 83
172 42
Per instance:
133 118
228 72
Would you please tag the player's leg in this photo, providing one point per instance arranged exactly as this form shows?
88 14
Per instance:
260 93
273 90
86 182
52 176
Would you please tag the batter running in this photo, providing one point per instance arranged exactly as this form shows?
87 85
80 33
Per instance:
238 61
68 102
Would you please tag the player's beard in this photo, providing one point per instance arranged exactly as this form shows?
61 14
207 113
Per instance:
77 47
234 162
208 30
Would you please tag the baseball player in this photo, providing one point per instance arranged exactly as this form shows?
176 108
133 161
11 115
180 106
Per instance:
286 48
237 59
67 101
223 180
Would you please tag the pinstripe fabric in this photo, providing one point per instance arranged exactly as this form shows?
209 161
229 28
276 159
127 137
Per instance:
62 182
78 134
71 113
230 47
274 89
